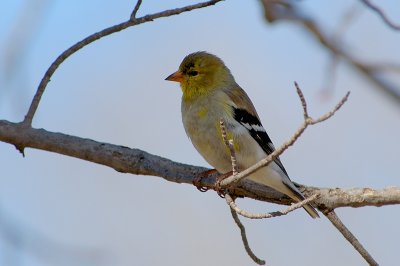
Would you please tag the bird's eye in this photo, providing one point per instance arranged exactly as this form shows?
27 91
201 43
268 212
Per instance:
193 73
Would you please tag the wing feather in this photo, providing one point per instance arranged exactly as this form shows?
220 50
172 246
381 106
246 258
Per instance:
245 113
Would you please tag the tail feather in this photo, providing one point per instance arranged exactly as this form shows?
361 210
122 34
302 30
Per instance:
311 211
298 196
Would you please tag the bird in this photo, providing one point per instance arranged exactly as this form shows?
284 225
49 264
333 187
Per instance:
209 94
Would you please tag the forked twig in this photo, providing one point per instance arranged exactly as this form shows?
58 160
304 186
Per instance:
270 158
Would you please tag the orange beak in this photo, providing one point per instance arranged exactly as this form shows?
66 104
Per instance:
177 76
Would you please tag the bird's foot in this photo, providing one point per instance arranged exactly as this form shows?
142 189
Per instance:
217 186
197 180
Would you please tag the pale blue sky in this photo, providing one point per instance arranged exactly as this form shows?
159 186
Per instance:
114 91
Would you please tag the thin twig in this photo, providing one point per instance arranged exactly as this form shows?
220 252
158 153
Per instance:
329 82
332 68
229 144
332 216
302 101
136 9
270 158
332 112
91 38
244 239
232 204
381 14
345 21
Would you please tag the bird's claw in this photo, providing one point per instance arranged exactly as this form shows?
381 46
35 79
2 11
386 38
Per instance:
197 180
197 184
217 186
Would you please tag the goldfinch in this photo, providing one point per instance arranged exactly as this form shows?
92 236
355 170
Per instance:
210 93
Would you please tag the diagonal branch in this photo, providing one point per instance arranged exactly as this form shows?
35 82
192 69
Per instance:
136 9
334 219
98 35
276 10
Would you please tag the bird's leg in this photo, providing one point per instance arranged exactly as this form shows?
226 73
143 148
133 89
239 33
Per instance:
199 177
217 187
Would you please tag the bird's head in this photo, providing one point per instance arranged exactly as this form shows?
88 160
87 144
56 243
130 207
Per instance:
201 73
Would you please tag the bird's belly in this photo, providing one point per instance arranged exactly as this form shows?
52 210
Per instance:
210 145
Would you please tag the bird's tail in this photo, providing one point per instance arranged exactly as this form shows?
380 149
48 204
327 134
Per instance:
311 211
298 196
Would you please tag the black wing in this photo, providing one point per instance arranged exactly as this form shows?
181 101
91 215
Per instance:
257 131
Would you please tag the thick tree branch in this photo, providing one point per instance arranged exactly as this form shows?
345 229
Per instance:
135 161
355 197
133 21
